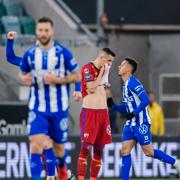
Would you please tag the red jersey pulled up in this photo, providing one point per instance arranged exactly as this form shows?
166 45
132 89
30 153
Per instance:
88 73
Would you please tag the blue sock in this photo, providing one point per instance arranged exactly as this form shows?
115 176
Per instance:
158 154
126 165
50 161
36 166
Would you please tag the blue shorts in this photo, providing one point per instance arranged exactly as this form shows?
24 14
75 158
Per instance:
140 133
55 125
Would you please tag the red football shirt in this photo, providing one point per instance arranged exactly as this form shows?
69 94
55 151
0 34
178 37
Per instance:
89 72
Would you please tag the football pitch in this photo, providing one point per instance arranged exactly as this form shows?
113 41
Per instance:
145 179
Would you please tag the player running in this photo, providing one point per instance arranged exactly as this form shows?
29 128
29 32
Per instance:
94 119
137 127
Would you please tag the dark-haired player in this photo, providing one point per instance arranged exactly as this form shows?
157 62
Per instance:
95 128
137 127
48 68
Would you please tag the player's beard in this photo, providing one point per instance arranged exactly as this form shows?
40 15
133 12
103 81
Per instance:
44 43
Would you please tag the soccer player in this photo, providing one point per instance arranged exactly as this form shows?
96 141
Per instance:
95 128
16 60
45 69
137 127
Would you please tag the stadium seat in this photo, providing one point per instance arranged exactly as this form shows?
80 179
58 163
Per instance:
11 23
2 10
27 24
10 2
13 7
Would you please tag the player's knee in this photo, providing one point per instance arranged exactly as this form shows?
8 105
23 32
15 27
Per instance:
85 150
149 153
98 151
48 143
37 143
125 151
36 147
59 150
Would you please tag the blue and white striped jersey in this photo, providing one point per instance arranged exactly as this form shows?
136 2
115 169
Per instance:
135 99
58 60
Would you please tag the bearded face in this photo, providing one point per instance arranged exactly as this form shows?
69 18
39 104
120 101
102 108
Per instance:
44 32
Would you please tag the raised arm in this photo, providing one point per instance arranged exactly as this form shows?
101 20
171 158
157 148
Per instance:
10 55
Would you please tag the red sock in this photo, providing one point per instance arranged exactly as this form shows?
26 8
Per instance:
82 161
94 169
80 177
62 173
82 166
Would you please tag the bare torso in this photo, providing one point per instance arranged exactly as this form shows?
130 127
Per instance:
96 100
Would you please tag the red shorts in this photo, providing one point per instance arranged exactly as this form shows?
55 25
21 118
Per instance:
95 126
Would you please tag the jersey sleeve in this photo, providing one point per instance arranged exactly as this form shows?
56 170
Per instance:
87 73
139 90
136 87
120 108
77 86
70 62
24 65
10 55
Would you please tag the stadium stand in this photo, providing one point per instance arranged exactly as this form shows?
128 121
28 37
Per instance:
13 8
11 23
13 18
2 10
27 24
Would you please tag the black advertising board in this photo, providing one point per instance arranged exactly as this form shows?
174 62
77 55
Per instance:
14 158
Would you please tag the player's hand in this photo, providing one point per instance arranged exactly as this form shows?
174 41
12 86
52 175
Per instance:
11 35
130 116
102 70
105 77
50 78
77 95
26 79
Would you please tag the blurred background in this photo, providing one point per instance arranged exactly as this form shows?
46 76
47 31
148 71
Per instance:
148 31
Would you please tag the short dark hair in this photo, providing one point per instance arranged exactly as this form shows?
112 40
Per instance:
109 51
45 20
133 63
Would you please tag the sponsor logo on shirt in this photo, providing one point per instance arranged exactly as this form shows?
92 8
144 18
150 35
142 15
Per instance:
88 77
86 135
143 129
86 71
128 99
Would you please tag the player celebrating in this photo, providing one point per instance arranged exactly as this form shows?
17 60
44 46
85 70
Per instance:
45 68
137 127
16 60
94 119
